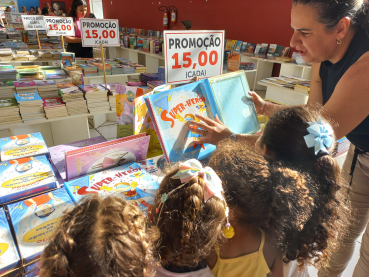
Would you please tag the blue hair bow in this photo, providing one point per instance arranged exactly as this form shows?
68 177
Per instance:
319 137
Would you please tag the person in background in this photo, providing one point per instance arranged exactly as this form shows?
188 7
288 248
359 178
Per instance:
9 9
32 11
62 13
45 11
78 10
24 10
99 237
91 15
47 5
38 11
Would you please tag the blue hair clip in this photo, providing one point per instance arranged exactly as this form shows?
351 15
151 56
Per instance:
319 137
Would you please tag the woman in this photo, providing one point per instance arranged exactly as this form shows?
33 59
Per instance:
32 11
78 10
24 10
9 9
331 34
38 11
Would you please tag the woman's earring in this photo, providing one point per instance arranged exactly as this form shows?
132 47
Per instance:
339 41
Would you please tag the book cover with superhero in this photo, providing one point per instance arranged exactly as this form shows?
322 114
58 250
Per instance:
22 146
25 177
130 181
9 258
35 219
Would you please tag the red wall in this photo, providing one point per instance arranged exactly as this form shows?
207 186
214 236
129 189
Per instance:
261 21
68 4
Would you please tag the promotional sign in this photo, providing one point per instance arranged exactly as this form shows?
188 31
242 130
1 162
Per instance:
16 17
99 31
8 16
192 53
59 26
2 14
33 22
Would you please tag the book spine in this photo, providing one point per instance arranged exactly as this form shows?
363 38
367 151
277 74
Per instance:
157 129
210 97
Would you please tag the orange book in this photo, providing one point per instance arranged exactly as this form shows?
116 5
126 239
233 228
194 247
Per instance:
233 62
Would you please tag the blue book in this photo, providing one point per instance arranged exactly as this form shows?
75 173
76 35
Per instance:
238 46
171 111
9 257
35 219
161 73
27 97
129 181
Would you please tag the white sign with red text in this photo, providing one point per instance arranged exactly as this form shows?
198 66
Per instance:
99 31
192 53
16 17
8 16
33 22
57 26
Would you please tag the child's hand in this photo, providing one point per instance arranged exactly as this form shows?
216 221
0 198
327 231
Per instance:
258 102
213 131
194 79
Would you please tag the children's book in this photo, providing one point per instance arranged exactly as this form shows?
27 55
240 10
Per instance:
233 63
155 166
124 100
244 47
67 58
143 124
23 98
25 177
52 102
55 74
238 46
22 146
233 45
9 257
129 181
6 103
41 83
263 49
25 84
225 59
173 110
102 156
251 48
65 85
35 219
7 84
57 153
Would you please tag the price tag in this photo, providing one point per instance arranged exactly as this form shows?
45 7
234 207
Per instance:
100 31
8 16
16 17
57 26
192 53
33 22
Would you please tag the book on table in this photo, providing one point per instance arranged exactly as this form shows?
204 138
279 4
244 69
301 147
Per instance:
173 110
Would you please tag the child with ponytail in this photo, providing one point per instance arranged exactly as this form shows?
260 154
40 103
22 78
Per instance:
100 237
189 210
292 193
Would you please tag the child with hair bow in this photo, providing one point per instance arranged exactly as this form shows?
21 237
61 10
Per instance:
190 212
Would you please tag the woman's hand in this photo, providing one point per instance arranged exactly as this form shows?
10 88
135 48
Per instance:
258 102
213 131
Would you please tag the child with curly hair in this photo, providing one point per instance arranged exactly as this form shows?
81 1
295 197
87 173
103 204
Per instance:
293 193
189 210
99 237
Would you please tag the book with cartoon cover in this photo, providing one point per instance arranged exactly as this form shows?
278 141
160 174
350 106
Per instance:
6 103
35 219
129 181
21 146
155 166
6 84
9 257
105 155
25 177
25 84
172 111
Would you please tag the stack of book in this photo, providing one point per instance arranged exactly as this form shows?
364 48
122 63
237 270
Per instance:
100 68
9 111
55 74
303 87
342 146
25 86
6 54
146 77
30 106
2 34
73 98
7 89
54 108
128 69
118 69
47 89
14 35
89 70
97 98
8 75
111 94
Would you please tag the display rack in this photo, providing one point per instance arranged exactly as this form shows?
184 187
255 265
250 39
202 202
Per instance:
284 95
20 62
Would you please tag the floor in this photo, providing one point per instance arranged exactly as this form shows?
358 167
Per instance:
109 131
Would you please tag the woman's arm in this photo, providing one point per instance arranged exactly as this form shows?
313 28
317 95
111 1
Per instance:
348 105
72 39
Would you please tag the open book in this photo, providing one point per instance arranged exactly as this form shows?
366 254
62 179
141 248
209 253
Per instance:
171 111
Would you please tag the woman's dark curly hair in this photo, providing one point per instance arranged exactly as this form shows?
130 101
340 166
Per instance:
99 237
189 226
301 216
